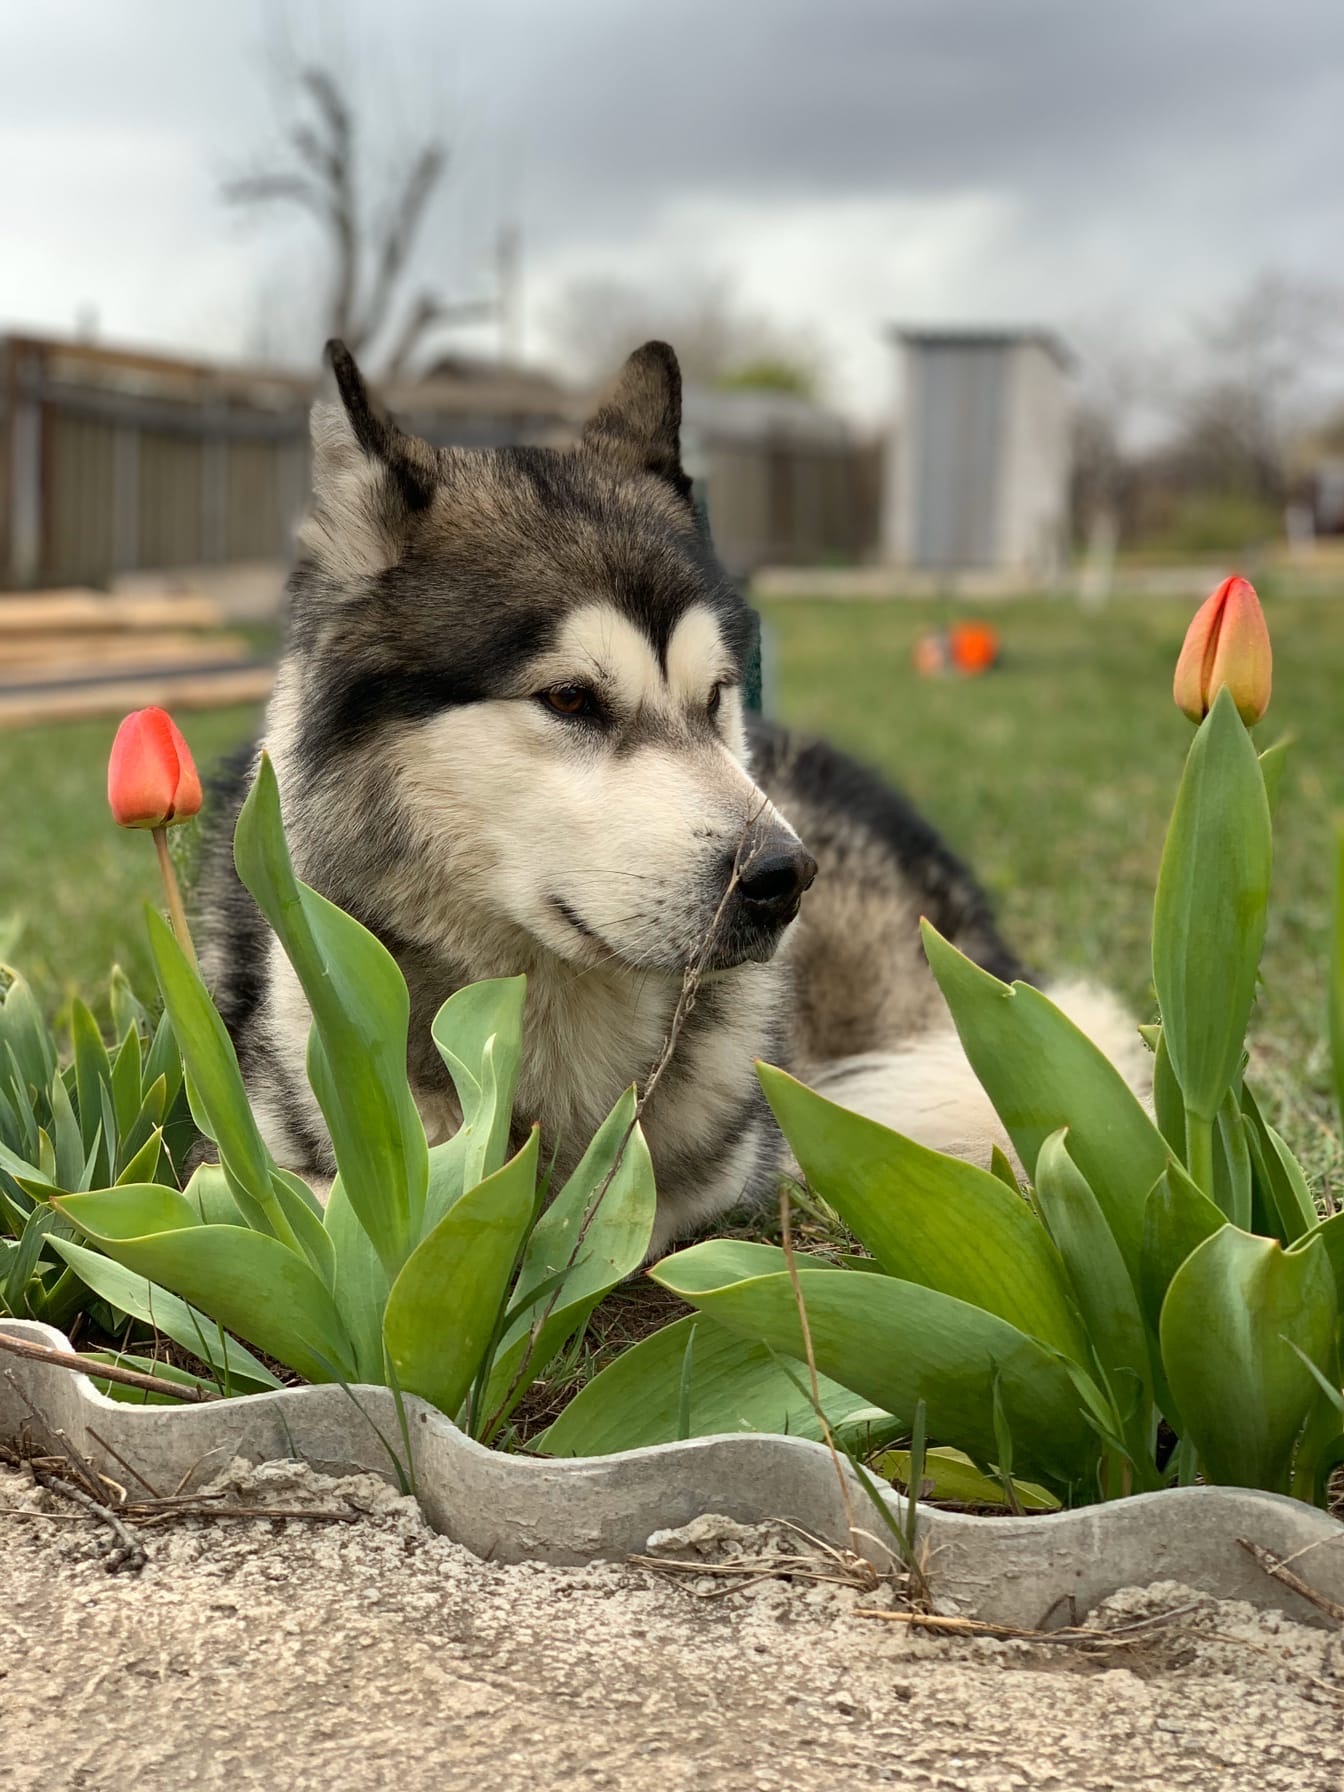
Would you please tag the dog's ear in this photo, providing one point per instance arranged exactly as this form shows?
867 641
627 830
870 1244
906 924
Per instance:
638 422
370 479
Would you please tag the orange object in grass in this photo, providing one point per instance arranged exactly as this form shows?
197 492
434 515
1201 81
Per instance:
974 647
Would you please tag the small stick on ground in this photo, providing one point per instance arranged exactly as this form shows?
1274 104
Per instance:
1073 1635
130 1551
1277 1569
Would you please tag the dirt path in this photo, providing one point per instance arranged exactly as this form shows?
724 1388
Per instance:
291 1656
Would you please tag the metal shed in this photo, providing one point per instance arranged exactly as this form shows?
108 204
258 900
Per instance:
982 456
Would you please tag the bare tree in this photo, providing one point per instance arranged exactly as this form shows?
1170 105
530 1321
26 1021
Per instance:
596 321
1261 366
1122 397
318 172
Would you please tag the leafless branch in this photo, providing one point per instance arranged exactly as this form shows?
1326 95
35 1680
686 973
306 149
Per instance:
428 314
317 170
399 233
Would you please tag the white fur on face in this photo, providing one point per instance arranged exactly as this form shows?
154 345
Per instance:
600 843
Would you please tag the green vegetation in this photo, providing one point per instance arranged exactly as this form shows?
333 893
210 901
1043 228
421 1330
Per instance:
1053 776
1164 1306
1051 1359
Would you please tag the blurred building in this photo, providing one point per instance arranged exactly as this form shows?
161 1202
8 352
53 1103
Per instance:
113 463
979 472
787 481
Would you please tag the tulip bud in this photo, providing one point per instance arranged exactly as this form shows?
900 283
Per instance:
151 777
1226 644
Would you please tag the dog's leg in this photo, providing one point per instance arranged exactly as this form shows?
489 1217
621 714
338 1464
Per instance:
928 1091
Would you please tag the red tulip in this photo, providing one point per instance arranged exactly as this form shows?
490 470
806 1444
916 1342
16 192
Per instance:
151 777
1226 644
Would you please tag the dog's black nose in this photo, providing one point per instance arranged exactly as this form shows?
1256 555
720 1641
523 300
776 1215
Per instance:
773 881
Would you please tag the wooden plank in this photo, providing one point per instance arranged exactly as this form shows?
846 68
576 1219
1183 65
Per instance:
181 691
151 662
45 612
25 655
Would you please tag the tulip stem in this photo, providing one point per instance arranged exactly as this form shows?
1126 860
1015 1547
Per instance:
1199 1152
176 912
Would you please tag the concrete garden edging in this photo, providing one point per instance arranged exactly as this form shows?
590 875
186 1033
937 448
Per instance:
1031 1572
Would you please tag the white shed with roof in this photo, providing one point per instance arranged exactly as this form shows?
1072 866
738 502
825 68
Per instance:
978 477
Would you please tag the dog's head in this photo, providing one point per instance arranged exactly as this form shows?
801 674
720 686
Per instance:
541 653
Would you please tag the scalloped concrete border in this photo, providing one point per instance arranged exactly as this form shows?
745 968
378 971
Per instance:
1025 1571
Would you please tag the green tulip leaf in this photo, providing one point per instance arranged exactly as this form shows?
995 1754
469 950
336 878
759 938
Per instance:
594 1234
357 1048
1282 1199
1168 1102
361 1284
479 1035
132 1396
928 1218
951 1476
1209 916
1331 1234
1237 1313
895 1343
1232 1177
1102 1287
248 1281
130 1211
93 1073
444 1304
1177 1217
214 1082
1042 1073
735 1384
234 1367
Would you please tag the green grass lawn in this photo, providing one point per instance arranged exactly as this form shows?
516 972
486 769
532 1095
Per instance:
1054 776
72 884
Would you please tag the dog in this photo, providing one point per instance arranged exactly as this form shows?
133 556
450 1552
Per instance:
509 733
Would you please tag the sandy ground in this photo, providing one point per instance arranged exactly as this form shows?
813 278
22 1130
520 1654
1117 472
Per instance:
290 1654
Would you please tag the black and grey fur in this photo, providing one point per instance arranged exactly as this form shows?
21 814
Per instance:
509 736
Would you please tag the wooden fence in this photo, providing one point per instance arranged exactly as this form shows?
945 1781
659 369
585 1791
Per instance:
112 463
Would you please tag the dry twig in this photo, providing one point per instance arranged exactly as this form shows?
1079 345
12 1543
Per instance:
130 1551
1085 1636
32 1351
1277 1569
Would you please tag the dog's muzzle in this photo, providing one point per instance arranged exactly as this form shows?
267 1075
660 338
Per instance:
765 895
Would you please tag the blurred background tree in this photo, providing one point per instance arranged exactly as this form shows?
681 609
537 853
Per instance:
721 343
320 169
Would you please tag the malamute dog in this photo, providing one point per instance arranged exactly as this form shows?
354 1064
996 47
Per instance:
509 735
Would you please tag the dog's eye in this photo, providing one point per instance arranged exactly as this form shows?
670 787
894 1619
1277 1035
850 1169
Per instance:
715 699
570 700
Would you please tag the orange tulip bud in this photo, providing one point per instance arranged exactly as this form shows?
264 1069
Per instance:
1226 644
151 777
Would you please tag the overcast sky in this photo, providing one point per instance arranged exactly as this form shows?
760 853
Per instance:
1106 168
